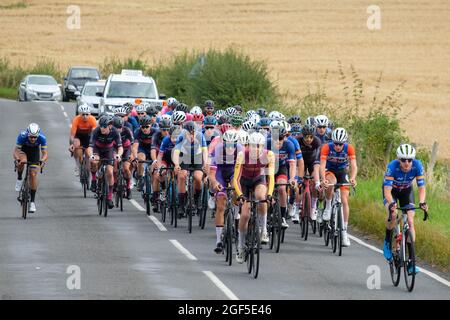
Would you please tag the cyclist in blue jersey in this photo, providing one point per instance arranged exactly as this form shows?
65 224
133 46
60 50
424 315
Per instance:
29 145
190 152
397 187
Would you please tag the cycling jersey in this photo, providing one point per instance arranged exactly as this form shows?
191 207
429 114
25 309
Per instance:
398 179
105 141
223 164
23 141
209 138
311 153
166 150
145 140
337 161
132 123
284 155
324 139
191 152
127 137
253 169
81 127
157 139
298 151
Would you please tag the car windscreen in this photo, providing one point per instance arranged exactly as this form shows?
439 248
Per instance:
84 74
91 90
124 89
46 81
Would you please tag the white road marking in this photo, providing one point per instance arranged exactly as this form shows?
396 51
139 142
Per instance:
422 270
62 107
183 250
221 285
137 205
158 224
65 114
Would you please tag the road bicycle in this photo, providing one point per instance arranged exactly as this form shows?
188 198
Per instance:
25 191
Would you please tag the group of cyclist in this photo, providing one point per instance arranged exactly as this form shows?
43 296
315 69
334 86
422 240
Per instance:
253 152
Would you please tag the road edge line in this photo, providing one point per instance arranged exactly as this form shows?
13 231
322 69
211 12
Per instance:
219 284
183 250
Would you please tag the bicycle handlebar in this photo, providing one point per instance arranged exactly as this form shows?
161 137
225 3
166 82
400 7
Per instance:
425 213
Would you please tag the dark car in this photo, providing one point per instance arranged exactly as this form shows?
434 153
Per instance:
75 80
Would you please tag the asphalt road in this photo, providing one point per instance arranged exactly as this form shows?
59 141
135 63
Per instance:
127 256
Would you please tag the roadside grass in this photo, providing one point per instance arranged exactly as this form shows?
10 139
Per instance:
8 93
432 237
15 5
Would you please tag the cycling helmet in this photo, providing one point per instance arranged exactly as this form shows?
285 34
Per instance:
261 112
219 113
166 117
231 111
406 151
182 107
189 126
248 125
275 115
105 120
165 123
238 108
141 108
322 120
224 127
297 129
155 125
242 137
330 125
198 117
230 136
256 138
174 130
118 122
196 110
178 117
209 104
249 113
128 106
210 121
286 125
120 111
339 135
236 120
275 124
310 121
145 121
151 110
223 119
281 132
308 130
33 130
84 108
264 122
295 119
172 102
255 118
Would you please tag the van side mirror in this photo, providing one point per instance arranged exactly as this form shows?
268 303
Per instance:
99 94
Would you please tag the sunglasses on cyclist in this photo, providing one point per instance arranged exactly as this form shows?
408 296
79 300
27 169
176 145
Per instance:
338 144
209 128
85 114
145 127
164 129
321 127
406 160
32 137
141 113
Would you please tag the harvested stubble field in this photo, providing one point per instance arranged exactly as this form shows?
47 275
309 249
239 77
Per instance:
299 39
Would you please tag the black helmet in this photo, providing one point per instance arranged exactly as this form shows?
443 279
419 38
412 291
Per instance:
223 119
308 130
145 121
105 120
238 108
165 124
182 107
280 131
209 104
189 126
296 129
118 122
152 110
330 125
295 119
261 111
174 128
128 106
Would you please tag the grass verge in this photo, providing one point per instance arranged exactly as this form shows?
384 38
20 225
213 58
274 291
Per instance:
8 93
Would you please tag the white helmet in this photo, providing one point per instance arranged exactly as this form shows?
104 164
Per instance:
275 115
230 136
255 118
120 111
322 120
166 117
84 108
311 121
276 123
406 151
33 130
248 125
230 111
339 135
286 125
242 137
196 110
250 113
256 138
178 117
219 113
141 107
171 102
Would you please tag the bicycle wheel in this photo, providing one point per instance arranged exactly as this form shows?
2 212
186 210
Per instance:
326 233
409 262
105 198
333 232
191 205
204 208
147 193
84 178
277 226
306 212
229 237
121 190
25 201
394 264
163 203
256 249
249 242
99 197
339 229
174 204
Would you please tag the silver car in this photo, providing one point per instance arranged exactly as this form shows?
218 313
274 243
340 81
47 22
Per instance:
89 96
39 87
